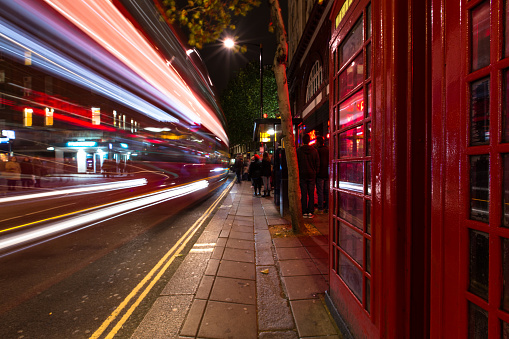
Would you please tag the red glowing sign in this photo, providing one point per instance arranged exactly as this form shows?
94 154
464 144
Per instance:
360 105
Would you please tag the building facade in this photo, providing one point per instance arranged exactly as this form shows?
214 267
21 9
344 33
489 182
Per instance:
309 36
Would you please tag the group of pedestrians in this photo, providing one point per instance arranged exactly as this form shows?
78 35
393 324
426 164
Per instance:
313 172
27 171
258 171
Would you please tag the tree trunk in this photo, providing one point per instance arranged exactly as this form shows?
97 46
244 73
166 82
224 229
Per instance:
280 60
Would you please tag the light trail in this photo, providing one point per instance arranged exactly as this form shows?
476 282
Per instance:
88 189
142 69
103 214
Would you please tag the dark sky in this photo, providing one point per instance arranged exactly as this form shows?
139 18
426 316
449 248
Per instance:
251 29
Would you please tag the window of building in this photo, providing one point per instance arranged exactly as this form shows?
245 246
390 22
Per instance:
351 161
27 117
314 80
48 117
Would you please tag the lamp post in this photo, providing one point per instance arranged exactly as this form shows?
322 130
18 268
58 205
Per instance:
230 43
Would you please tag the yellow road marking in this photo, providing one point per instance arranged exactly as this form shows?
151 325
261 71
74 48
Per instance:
182 242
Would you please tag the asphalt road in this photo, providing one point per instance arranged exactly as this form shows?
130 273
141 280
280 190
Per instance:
69 284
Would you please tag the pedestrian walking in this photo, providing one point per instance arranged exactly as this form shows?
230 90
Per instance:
238 166
309 162
12 173
255 172
27 173
322 177
39 171
266 174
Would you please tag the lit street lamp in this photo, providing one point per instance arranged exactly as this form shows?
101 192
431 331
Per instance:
230 43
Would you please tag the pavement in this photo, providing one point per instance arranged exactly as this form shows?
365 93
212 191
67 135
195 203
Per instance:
247 276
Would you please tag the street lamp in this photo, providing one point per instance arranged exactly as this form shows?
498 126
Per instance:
230 44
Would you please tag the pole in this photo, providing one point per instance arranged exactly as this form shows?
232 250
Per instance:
261 83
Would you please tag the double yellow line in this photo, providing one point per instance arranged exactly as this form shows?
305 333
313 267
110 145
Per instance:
154 275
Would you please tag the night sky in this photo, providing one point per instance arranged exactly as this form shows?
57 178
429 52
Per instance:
252 29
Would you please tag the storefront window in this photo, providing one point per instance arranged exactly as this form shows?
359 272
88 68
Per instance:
480 112
479 263
351 77
351 44
481 36
479 187
351 143
477 322
350 209
351 110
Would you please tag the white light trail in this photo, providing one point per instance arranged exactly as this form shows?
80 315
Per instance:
106 213
88 189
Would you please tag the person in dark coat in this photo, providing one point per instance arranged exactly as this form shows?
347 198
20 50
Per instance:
266 174
238 167
27 173
309 163
322 177
255 173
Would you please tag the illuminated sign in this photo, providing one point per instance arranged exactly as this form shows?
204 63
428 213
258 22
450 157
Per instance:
9 134
123 145
96 116
81 143
4 140
342 11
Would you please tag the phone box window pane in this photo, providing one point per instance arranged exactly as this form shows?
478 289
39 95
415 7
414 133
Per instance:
351 110
369 100
505 274
351 209
351 242
368 255
368 216
368 178
368 139
506 22
477 322
368 22
350 176
367 305
479 263
351 143
479 187
505 330
368 61
351 275
351 44
480 112
481 36
505 107
352 76
505 193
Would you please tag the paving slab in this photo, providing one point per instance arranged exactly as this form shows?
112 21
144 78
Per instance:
228 320
236 269
235 254
287 253
304 286
312 318
298 267
232 290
